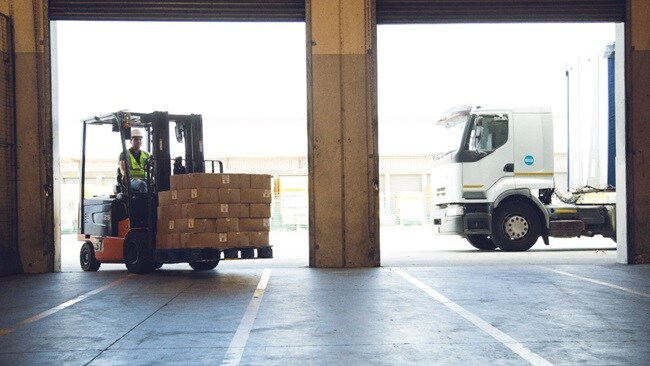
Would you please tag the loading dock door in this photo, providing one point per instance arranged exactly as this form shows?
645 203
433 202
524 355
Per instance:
388 11
196 10
502 11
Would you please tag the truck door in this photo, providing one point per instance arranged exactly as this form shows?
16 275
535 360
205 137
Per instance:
487 155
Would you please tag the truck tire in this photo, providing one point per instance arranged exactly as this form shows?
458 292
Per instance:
516 226
482 242
138 255
87 258
204 266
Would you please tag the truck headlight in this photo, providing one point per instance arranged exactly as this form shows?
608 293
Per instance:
455 211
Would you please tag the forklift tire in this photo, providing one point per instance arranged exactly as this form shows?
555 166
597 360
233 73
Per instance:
516 226
204 266
87 258
138 255
482 242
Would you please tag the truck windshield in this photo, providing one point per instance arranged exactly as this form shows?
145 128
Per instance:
448 132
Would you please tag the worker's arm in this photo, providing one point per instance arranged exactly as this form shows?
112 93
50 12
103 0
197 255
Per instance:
122 165
122 168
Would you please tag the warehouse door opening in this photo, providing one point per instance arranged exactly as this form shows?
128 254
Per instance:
246 80
426 70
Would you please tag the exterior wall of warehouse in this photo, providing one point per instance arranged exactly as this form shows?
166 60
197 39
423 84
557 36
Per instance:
100 180
354 28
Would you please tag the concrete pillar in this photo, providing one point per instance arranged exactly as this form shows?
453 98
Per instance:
637 75
33 135
342 133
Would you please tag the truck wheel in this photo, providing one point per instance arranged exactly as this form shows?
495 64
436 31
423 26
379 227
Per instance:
87 258
203 266
482 242
516 227
138 255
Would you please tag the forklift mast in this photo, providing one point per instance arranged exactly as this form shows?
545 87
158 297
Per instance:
141 207
190 129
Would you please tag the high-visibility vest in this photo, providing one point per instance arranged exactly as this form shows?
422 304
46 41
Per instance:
137 167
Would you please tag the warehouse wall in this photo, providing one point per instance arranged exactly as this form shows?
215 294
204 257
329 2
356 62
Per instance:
9 258
33 128
342 133
637 77
349 24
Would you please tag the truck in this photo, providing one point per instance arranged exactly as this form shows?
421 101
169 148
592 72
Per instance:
493 182
122 227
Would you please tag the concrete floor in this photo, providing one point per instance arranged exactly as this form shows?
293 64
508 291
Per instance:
514 310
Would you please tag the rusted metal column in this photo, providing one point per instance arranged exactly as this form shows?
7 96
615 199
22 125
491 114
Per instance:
342 129
637 75
34 153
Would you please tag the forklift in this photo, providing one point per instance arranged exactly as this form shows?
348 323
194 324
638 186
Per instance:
121 228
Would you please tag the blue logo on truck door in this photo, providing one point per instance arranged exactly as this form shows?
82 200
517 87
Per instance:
529 160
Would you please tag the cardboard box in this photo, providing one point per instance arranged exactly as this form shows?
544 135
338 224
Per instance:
227 224
166 226
244 180
236 239
168 241
197 195
244 210
210 210
165 198
259 238
170 211
202 240
161 243
214 240
255 195
176 182
254 225
260 210
195 225
210 180
262 181
229 195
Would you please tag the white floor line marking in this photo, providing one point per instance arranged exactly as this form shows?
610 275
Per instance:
640 293
506 340
238 343
56 309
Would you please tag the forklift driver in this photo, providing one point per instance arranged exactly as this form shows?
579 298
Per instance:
135 163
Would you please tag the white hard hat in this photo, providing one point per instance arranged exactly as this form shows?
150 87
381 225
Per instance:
136 133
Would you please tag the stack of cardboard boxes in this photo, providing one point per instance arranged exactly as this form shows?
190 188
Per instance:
222 211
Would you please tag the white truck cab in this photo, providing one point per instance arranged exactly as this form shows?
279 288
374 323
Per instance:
492 181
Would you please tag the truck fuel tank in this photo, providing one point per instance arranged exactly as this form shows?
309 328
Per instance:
576 220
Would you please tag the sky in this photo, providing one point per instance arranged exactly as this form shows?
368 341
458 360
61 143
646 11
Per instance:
248 80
